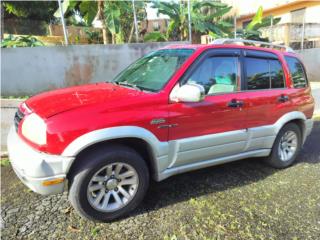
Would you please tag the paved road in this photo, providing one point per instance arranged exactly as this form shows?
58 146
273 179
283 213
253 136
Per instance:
240 200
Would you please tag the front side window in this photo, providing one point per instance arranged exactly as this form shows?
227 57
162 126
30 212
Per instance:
263 73
296 69
217 75
153 71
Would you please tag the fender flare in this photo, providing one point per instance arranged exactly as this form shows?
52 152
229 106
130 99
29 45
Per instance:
157 147
291 116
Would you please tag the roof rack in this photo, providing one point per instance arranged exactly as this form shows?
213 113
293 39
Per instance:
251 42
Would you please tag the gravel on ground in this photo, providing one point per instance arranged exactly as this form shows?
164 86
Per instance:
241 200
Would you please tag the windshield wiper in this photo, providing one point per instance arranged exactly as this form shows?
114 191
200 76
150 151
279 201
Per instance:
129 85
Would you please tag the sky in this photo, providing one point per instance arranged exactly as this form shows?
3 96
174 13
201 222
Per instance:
152 13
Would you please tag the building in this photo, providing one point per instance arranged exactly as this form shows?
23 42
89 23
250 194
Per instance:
155 25
299 25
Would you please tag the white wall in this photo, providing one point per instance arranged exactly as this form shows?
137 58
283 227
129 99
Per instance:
311 60
27 71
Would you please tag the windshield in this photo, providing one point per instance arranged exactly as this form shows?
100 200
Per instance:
153 71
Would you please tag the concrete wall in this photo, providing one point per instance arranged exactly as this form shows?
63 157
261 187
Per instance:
27 71
311 59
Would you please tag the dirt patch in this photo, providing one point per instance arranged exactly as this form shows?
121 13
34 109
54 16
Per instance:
240 200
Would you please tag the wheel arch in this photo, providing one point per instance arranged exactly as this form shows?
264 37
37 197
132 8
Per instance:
139 139
139 145
293 117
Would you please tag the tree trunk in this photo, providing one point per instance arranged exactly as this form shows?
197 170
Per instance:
2 24
131 34
101 17
105 35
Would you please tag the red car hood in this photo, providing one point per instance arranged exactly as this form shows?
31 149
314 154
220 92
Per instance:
51 103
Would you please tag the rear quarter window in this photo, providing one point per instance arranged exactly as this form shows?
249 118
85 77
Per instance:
297 72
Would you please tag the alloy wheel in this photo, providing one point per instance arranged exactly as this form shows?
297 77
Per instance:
112 187
287 145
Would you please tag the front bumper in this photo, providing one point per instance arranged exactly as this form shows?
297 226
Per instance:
34 168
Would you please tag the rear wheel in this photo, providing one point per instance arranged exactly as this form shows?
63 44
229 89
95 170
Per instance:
108 183
286 146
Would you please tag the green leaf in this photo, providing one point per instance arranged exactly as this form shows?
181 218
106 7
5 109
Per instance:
256 19
65 6
155 37
89 10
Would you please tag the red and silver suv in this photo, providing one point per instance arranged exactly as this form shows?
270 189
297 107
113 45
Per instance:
175 110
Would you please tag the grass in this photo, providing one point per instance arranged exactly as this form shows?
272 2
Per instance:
4 162
316 117
95 231
15 97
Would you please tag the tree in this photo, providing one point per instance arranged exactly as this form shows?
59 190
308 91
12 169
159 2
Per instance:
206 18
252 30
119 18
116 16
100 15
35 10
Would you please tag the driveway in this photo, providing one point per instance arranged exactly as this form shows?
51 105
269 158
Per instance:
240 200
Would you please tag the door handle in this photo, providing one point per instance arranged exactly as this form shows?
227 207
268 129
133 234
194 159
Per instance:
283 98
234 103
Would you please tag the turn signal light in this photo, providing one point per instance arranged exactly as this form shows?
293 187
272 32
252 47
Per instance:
52 182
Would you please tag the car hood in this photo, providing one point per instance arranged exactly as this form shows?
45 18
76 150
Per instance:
53 102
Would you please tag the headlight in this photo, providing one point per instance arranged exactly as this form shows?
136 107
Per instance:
35 129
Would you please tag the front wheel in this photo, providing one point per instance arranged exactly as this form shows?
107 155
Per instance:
286 146
108 183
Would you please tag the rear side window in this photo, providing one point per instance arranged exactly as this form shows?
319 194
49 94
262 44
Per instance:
263 73
257 73
276 74
297 72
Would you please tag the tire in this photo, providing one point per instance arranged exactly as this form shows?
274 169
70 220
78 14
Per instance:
95 166
278 158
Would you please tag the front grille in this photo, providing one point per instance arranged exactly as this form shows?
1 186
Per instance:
17 119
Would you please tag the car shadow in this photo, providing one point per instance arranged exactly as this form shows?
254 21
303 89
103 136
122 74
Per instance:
185 186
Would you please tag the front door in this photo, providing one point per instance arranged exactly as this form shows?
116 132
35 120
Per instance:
214 127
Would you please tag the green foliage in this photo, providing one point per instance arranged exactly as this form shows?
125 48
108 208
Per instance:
4 162
119 18
252 30
93 36
206 17
87 10
20 41
155 37
95 231
35 10
257 19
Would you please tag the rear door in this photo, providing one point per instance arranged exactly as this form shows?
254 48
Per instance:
267 95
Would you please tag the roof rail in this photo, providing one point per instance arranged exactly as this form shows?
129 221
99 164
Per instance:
251 42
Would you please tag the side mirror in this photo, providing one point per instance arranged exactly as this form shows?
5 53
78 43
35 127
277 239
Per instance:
190 92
